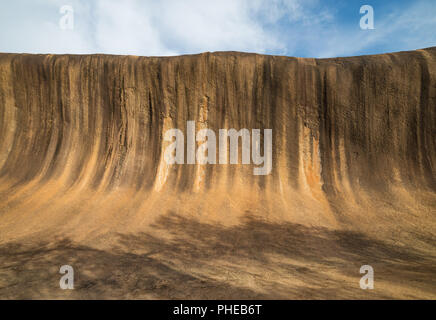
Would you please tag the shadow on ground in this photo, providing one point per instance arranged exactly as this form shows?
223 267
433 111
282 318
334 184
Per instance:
193 260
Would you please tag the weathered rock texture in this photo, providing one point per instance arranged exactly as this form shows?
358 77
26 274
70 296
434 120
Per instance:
354 151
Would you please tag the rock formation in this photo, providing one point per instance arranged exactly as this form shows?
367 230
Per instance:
353 156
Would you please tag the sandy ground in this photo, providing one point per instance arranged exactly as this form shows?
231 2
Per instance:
255 260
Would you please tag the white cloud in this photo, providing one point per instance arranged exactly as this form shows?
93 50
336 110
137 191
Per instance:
170 27
125 27
138 27
211 25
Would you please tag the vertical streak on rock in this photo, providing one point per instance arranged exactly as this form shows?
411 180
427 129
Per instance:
8 112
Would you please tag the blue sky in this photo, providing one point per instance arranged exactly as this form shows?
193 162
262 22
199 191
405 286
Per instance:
303 28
